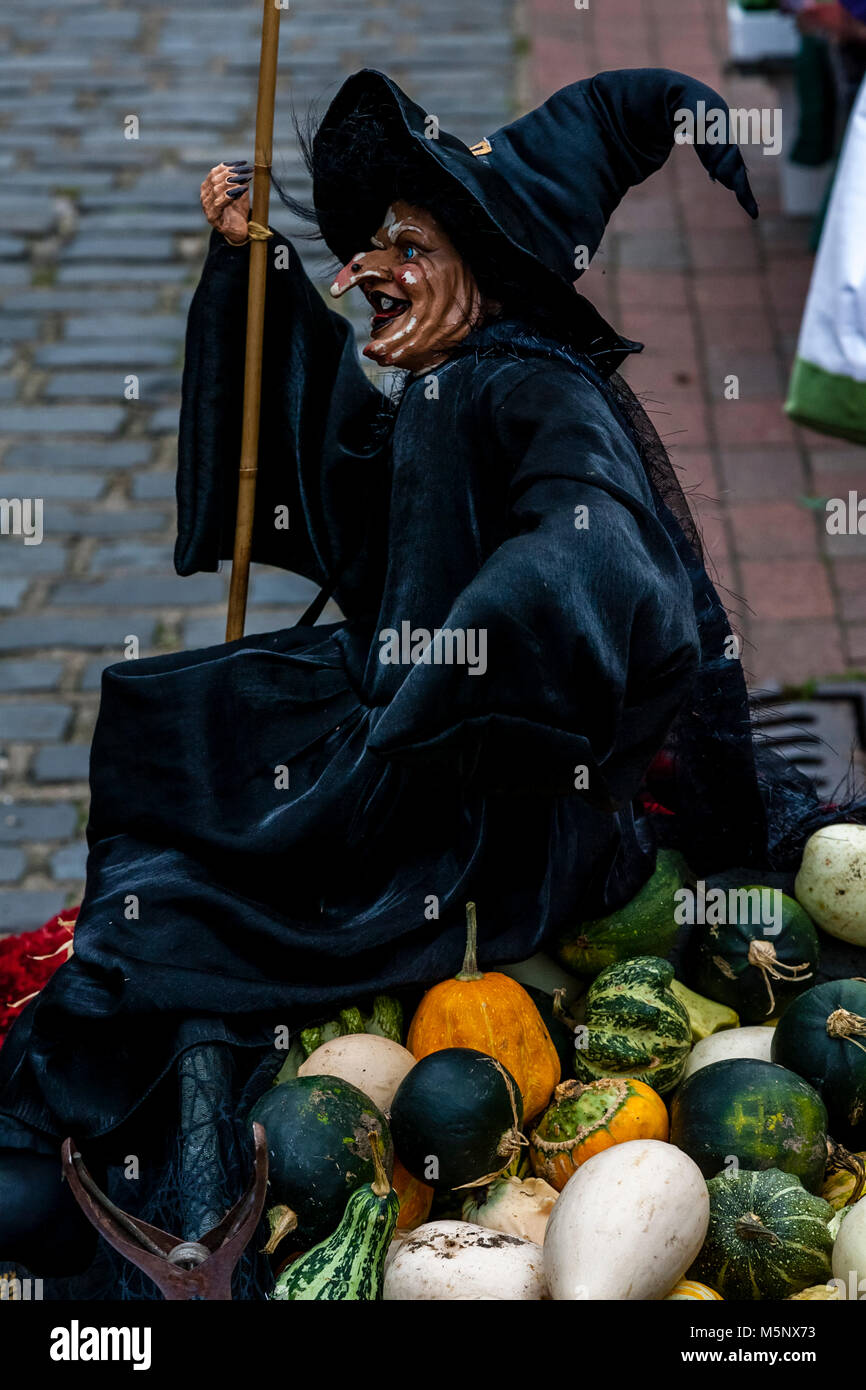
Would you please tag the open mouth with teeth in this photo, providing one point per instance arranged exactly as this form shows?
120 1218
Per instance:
386 308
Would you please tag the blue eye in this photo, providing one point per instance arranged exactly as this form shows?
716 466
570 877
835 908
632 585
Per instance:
409 253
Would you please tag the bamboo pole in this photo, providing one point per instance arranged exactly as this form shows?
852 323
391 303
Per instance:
255 324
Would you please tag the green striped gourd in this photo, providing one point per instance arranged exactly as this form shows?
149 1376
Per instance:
635 1026
350 1264
767 1238
385 1020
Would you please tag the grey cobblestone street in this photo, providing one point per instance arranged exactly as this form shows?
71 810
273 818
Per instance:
100 245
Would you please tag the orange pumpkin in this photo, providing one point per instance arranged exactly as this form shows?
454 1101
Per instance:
416 1198
584 1119
493 1014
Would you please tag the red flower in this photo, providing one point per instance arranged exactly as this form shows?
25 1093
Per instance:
27 962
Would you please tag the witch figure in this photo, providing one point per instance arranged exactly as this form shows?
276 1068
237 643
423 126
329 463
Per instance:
289 823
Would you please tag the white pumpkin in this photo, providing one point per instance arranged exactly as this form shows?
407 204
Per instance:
454 1260
375 1065
398 1240
849 1251
627 1225
831 883
518 1206
734 1042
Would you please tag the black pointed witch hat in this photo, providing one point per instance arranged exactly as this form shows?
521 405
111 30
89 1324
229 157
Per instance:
547 183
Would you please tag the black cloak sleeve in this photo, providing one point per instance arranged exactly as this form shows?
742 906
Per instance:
322 442
586 610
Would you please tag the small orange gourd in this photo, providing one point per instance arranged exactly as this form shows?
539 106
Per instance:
416 1198
494 1014
585 1119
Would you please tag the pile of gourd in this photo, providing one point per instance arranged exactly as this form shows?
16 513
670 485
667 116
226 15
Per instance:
644 1139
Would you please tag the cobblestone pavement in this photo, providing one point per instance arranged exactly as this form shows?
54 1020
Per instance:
102 239
683 270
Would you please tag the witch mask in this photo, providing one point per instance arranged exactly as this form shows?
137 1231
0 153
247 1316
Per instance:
423 295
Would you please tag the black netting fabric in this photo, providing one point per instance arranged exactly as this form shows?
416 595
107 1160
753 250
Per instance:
733 800
656 460
720 757
193 1160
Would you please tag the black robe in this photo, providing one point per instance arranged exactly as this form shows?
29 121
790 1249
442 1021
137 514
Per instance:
508 495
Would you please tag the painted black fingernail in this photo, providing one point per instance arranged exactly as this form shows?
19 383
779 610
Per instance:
238 178
239 164
236 192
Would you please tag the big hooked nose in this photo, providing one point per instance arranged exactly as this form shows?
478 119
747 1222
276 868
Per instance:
367 265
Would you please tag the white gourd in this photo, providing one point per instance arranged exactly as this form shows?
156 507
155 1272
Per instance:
455 1260
733 1042
375 1065
831 883
627 1225
849 1251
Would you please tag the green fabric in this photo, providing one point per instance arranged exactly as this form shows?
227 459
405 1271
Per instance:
816 98
824 401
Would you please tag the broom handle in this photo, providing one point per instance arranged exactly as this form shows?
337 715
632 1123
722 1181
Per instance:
255 325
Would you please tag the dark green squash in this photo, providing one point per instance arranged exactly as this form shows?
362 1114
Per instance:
767 1238
822 1037
635 1026
757 1113
456 1117
739 964
645 926
350 1264
319 1152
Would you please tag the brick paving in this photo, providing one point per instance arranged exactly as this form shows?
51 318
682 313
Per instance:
711 294
100 248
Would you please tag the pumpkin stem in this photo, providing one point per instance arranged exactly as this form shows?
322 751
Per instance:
380 1184
614 1087
751 1227
512 1141
763 955
470 969
568 1090
840 1157
841 1023
517 1169
560 1011
282 1221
